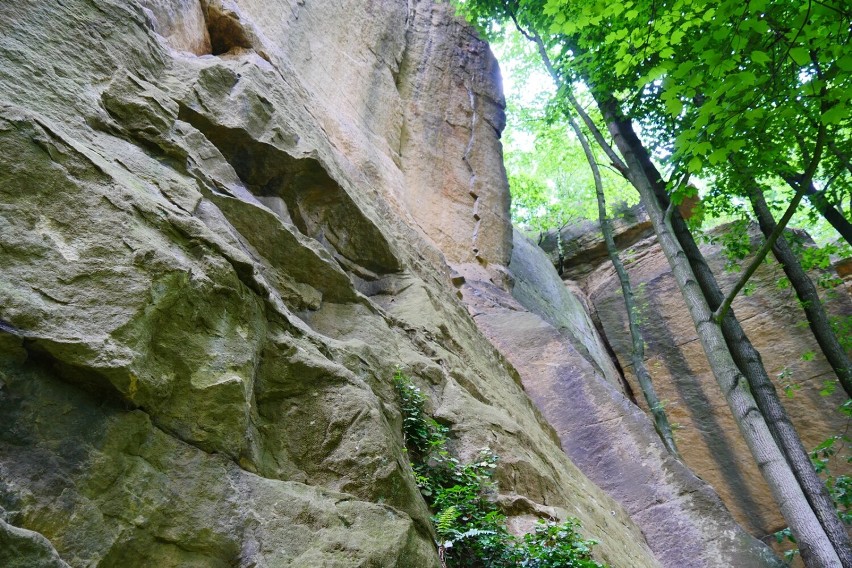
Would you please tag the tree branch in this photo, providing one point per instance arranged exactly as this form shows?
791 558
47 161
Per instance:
561 84
719 314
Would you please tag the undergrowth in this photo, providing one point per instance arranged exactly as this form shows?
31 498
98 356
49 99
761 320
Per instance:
471 529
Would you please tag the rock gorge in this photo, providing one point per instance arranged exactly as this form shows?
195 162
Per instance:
226 223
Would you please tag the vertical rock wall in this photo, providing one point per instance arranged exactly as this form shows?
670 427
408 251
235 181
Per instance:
544 329
217 243
711 444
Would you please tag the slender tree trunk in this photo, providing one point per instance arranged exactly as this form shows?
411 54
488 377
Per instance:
830 213
820 203
745 355
807 293
637 353
749 361
642 173
815 546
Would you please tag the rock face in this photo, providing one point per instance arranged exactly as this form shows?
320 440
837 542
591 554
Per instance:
225 223
578 248
544 330
708 437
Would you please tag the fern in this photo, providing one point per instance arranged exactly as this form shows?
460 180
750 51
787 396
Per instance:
445 521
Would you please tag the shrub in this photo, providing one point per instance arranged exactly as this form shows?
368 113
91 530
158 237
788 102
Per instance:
470 526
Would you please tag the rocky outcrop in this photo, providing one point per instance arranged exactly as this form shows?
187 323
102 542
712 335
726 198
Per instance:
455 112
545 331
222 232
707 434
578 248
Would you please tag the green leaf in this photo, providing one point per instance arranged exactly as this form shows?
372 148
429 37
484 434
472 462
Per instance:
651 76
800 55
759 57
694 166
746 78
674 106
703 148
834 115
718 156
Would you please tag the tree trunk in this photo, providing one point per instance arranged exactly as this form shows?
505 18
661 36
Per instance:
830 213
807 293
744 354
642 173
816 548
637 353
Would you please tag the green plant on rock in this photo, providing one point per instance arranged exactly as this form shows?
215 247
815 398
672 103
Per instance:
471 528
555 544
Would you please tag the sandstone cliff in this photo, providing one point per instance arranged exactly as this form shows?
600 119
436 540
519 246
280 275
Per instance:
225 223
776 325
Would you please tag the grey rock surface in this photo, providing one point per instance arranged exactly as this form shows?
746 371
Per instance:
603 432
213 257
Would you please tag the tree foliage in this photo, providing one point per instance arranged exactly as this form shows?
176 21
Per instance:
549 178
720 89
471 528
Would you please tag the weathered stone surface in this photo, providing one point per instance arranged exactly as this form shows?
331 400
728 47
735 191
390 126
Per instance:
545 332
20 548
578 248
707 435
212 261
454 112
540 291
